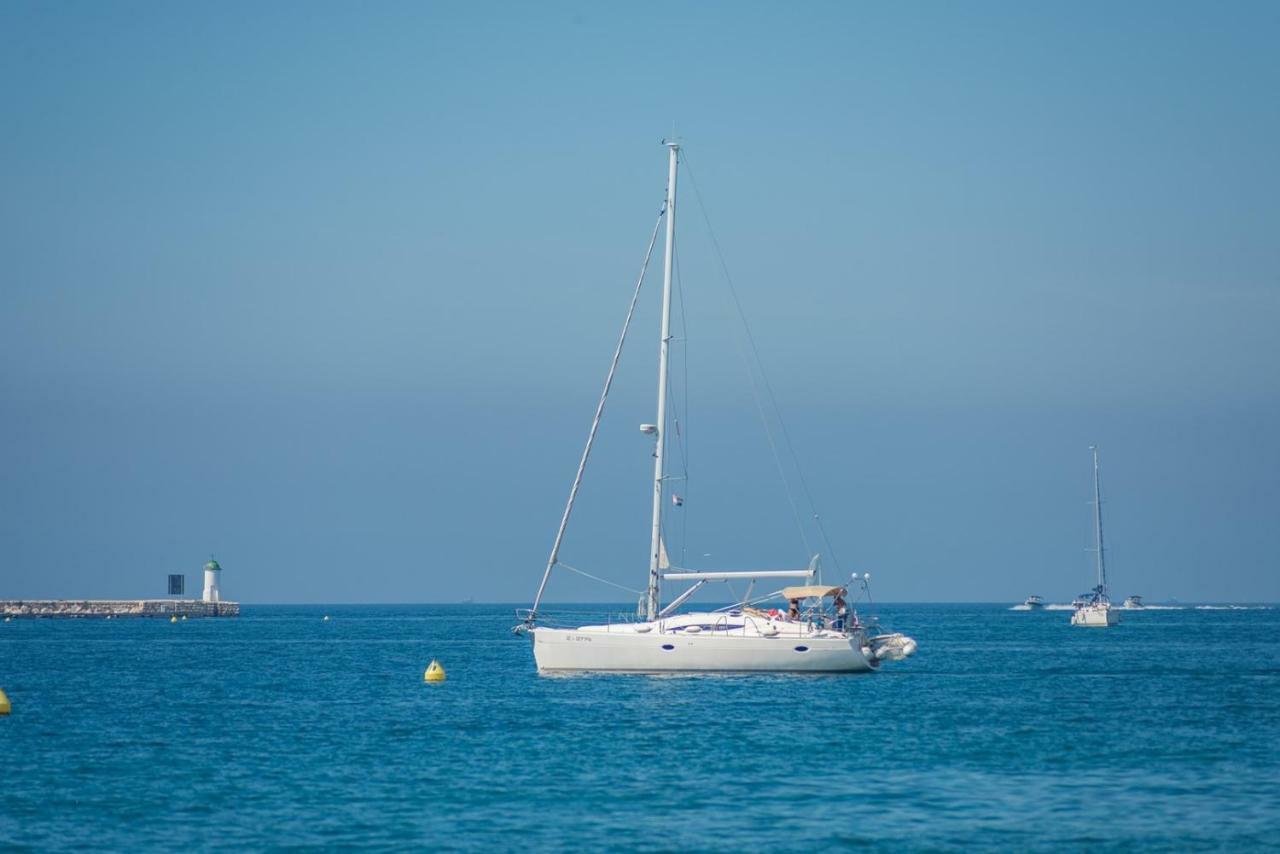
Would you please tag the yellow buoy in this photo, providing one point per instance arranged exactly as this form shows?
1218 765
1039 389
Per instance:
5 707
435 673
173 619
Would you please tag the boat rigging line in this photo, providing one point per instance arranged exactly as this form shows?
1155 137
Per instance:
595 421
586 574
759 365
681 426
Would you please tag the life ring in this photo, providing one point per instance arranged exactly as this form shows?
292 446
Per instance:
773 613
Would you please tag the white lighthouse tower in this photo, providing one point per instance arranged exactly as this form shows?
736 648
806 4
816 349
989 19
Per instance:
212 572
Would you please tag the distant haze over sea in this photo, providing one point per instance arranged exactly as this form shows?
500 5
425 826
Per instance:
329 291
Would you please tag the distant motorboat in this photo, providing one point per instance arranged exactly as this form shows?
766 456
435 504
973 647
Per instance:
1133 603
1034 603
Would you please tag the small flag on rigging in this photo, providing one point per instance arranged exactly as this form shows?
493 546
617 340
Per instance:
677 500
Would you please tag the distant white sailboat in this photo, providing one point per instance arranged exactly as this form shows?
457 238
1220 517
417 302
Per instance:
817 633
1094 609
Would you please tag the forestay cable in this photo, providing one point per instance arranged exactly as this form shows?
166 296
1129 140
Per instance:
595 422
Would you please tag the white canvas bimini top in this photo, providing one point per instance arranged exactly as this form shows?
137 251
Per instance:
816 590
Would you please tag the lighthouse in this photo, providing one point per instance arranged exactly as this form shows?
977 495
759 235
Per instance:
211 576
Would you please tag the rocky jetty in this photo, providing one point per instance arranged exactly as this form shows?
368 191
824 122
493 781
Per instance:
117 608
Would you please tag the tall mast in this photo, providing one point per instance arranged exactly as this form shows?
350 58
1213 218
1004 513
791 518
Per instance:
1097 516
655 543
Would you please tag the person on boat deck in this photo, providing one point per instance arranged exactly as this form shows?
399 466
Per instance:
793 609
842 612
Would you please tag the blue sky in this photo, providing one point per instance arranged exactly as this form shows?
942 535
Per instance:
329 290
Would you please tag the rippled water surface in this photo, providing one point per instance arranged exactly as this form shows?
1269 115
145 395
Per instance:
1009 730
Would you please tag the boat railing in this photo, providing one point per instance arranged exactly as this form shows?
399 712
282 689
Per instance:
552 620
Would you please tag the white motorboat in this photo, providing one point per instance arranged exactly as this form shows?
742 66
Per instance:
1093 609
1133 603
1033 603
819 633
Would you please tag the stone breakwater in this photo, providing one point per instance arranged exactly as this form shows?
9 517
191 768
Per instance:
117 608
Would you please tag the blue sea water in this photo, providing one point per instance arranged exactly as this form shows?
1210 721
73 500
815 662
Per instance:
1008 730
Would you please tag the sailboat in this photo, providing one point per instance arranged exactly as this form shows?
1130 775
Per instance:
1094 609
818 632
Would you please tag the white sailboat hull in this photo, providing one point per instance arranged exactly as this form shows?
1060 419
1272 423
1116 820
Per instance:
623 650
1095 616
